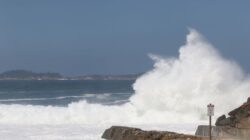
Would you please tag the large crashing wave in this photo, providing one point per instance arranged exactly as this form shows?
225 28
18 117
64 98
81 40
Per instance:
175 90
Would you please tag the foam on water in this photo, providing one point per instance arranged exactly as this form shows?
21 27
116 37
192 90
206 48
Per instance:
176 90
68 132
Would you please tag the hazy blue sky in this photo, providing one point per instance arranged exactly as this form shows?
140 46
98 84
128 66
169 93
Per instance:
114 36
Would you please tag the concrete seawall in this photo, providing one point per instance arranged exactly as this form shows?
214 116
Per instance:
224 132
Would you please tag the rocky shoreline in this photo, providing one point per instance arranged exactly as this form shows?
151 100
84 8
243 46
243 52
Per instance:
234 127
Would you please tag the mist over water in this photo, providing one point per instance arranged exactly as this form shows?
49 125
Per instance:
176 90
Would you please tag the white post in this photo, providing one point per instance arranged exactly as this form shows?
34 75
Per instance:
210 113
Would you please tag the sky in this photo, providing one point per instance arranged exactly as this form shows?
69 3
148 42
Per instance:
77 37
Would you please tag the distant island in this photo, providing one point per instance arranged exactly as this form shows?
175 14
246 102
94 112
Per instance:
29 75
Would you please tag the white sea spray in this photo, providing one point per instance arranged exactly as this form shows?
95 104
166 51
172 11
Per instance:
175 91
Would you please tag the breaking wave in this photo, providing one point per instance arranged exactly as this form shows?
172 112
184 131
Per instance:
175 90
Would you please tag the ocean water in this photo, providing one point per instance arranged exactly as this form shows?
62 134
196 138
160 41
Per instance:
27 109
52 94
172 96
64 92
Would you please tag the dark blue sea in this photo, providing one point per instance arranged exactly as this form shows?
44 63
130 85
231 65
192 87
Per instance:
64 92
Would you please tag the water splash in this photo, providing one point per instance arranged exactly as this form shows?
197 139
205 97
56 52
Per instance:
175 90
185 85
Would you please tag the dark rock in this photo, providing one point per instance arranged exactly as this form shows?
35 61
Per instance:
236 116
226 122
219 120
119 132
127 133
237 124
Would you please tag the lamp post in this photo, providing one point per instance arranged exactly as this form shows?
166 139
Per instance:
210 113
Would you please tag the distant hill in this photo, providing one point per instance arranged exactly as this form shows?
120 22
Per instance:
29 75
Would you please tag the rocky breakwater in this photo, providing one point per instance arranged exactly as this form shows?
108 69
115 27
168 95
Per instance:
128 133
237 124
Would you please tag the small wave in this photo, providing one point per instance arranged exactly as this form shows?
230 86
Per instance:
89 95
117 102
39 99
102 96
85 96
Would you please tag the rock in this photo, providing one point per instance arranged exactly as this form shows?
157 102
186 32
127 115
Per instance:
119 132
219 120
234 127
127 133
237 117
237 124
225 121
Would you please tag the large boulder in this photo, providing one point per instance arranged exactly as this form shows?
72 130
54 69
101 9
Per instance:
224 121
127 133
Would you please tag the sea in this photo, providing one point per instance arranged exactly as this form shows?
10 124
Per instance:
171 96
62 109
63 92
